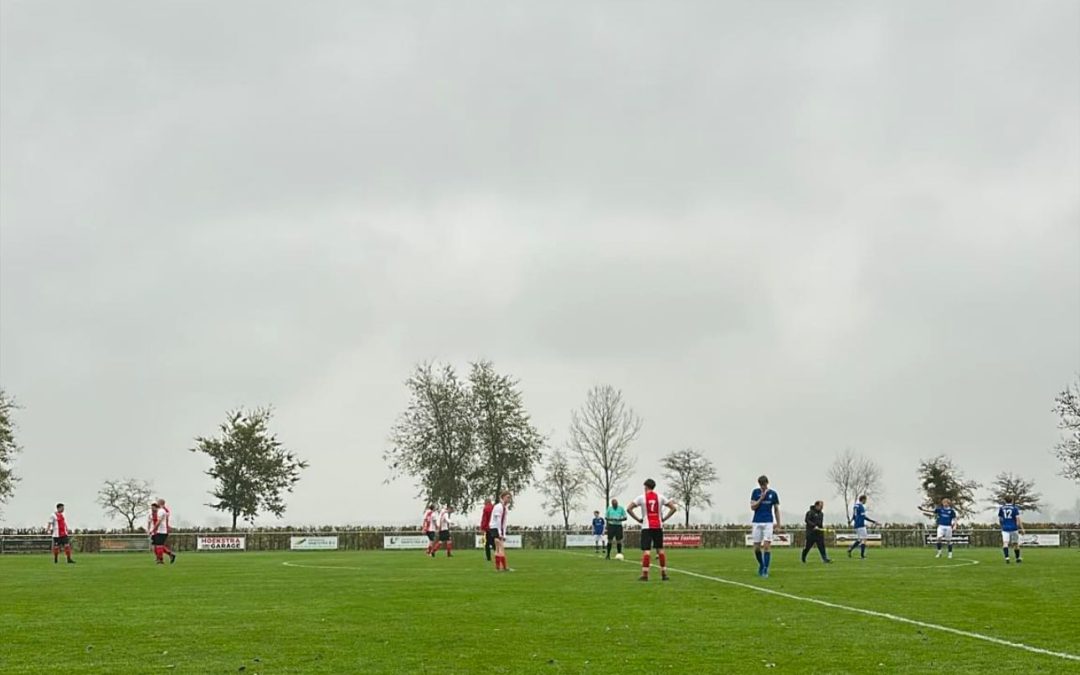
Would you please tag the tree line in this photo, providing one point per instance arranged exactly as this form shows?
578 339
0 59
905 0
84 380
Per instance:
463 440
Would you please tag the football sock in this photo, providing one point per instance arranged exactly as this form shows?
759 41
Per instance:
435 548
55 553
950 548
760 559
609 549
768 559
1017 552
854 546
663 563
67 551
449 545
862 550
645 564
1005 550
159 553
619 547
939 546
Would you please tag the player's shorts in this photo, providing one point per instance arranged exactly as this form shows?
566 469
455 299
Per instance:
444 535
761 532
861 534
430 535
158 539
615 532
61 541
493 535
652 538
1010 538
944 532
598 539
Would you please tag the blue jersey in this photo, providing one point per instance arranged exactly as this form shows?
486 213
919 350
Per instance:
945 515
598 525
858 514
1009 517
764 511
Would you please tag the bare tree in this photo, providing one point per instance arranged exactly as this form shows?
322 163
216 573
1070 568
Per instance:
689 473
600 436
1010 488
563 487
1067 407
853 475
8 447
128 499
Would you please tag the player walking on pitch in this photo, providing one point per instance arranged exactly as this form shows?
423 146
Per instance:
61 535
497 530
428 527
652 530
1011 529
485 526
156 528
765 504
444 532
859 519
815 531
946 516
616 516
168 529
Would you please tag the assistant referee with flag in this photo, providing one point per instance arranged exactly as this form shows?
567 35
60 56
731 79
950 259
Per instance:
815 531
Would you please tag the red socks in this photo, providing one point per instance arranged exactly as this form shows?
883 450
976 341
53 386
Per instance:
500 562
55 553
159 551
645 564
449 545
436 546
67 551
663 563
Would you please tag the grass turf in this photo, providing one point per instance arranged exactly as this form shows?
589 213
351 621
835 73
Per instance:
558 611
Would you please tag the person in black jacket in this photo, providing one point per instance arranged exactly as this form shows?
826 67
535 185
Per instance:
815 531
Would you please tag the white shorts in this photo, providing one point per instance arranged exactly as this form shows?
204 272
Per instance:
944 532
598 539
861 534
1008 538
761 532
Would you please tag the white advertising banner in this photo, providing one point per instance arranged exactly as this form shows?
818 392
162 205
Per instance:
405 542
221 543
313 543
512 541
1040 540
777 539
581 540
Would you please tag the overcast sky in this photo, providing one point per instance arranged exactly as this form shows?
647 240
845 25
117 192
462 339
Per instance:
781 228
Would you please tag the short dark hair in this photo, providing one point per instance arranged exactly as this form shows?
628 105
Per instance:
762 480
862 498
650 483
59 506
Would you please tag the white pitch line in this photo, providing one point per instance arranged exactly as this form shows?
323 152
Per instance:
884 615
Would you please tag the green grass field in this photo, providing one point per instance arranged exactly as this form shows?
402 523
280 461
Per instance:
558 611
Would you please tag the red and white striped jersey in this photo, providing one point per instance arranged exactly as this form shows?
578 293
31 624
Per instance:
168 518
498 518
652 501
444 520
58 525
156 523
429 516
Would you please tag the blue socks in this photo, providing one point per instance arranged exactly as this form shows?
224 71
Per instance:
768 559
862 550
760 560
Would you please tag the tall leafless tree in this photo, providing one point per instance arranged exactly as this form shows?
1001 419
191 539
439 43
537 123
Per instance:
600 436
852 475
1067 407
688 474
8 447
1008 487
128 499
563 487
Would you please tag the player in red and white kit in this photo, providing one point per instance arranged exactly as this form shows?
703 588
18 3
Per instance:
168 529
61 535
155 527
497 530
444 525
652 526
429 526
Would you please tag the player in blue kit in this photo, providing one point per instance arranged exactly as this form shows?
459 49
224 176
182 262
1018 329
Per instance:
946 516
598 532
859 519
765 504
1011 529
